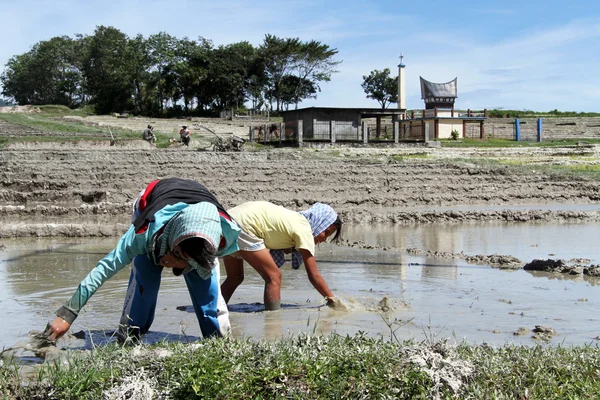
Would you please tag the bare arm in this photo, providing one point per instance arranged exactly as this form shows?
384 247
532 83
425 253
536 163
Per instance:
314 276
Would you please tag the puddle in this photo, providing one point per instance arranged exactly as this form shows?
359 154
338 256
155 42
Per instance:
526 241
381 292
489 207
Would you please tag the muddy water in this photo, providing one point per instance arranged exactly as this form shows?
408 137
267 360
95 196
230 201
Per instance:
383 293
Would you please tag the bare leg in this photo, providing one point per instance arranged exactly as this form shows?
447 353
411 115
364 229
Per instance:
263 263
235 276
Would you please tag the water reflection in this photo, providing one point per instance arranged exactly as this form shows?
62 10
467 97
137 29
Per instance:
376 287
525 241
591 280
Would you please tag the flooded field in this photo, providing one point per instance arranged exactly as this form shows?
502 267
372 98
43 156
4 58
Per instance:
384 293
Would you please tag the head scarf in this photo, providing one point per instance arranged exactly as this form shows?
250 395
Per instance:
199 220
320 216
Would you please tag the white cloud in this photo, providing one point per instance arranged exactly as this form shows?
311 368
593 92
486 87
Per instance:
523 68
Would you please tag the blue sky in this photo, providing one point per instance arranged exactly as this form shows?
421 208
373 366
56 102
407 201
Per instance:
530 54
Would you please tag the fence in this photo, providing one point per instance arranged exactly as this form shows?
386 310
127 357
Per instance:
437 112
472 131
334 131
254 115
273 133
337 131
383 132
412 131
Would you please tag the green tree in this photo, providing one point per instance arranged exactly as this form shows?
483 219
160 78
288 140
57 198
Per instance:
163 51
314 64
378 85
109 69
279 57
191 68
48 74
294 89
163 74
18 82
229 74
143 99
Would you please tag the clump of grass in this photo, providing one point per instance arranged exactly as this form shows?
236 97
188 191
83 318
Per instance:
500 143
406 157
538 372
315 367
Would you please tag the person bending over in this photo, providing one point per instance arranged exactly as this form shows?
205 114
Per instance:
176 224
268 232
184 135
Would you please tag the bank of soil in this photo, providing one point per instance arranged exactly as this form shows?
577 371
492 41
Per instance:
85 188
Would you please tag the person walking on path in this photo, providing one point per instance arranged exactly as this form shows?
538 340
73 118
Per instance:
268 232
176 224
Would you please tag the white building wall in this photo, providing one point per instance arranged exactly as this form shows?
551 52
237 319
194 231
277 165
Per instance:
447 126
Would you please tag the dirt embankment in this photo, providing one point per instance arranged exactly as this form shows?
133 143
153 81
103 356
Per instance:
66 189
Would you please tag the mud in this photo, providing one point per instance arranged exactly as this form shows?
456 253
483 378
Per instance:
86 188
380 293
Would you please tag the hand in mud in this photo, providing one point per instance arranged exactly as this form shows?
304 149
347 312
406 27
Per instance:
336 304
57 328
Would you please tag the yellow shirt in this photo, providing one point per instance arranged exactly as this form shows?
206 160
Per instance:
279 227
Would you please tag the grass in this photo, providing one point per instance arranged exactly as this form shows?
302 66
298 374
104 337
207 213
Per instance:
538 372
415 156
500 113
511 143
554 170
315 367
49 121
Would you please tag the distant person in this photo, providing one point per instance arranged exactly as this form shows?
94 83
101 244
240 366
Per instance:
184 135
268 232
148 135
176 224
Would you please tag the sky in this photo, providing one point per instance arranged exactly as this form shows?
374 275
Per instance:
523 55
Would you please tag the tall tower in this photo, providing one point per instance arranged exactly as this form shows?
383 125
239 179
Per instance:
401 85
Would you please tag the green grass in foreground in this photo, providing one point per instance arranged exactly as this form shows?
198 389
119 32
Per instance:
316 367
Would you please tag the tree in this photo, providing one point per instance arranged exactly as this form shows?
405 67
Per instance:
47 74
314 64
229 74
143 101
162 51
109 69
310 62
381 87
279 57
162 73
293 90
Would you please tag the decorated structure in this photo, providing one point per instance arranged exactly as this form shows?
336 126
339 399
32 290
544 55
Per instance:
438 120
438 95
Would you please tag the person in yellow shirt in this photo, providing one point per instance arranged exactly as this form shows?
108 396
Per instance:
268 232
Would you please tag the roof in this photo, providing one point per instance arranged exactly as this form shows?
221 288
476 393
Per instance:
376 111
431 89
